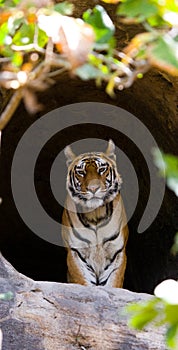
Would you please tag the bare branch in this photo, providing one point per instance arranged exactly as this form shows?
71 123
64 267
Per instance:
10 108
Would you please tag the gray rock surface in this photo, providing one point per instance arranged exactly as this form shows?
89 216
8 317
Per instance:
49 315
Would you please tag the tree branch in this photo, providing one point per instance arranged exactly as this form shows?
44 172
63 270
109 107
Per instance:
10 108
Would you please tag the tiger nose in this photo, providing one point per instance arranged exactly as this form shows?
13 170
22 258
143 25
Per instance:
93 186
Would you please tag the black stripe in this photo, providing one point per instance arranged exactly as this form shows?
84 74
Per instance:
83 220
89 267
75 232
79 254
111 238
114 257
71 178
111 174
109 211
76 194
112 190
105 281
93 283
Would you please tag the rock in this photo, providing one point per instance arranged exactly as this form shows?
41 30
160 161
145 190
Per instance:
50 315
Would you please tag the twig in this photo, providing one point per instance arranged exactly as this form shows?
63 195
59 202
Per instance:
57 72
26 47
10 108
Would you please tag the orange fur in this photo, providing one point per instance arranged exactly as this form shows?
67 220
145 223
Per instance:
95 239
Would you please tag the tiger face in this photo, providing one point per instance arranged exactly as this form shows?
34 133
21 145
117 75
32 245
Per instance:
92 178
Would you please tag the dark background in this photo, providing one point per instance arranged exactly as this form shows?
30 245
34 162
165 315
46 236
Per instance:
154 101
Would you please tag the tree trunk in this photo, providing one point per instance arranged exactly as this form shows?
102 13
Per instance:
48 315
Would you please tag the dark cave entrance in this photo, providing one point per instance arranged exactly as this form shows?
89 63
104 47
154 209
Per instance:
149 257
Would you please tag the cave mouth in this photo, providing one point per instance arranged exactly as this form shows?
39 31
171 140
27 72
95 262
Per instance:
42 261
149 257
36 258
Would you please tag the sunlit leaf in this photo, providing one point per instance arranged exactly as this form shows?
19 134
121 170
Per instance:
142 314
164 54
168 166
171 336
25 34
139 9
110 86
3 33
101 23
75 37
87 71
77 40
138 45
171 312
9 3
42 38
14 23
17 59
64 8
6 51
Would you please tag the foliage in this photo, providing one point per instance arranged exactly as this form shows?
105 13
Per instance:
168 167
162 309
40 39
160 313
159 43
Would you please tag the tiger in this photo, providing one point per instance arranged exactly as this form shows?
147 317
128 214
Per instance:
94 223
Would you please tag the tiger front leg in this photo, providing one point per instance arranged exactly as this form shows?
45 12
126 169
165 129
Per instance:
74 274
120 272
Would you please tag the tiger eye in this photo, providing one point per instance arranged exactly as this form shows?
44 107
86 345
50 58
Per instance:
80 172
102 170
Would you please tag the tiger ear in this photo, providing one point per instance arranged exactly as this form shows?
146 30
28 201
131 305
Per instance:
110 150
70 155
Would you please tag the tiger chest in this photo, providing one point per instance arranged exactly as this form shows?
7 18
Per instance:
96 244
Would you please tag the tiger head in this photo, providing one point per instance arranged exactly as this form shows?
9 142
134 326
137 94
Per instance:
92 178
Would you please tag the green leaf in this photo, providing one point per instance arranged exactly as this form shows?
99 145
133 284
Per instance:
171 335
142 314
25 34
141 320
100 21
15 24
169 5
171 163
168 166
174 248
138 9
87 71
42 38
6 51
164 54
17 59
171 313
9 3
65 8
98 63
3 33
